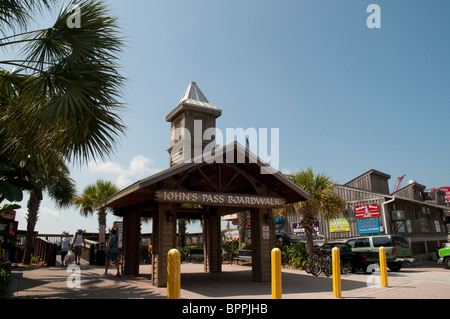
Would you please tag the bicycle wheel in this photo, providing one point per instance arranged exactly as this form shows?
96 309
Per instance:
307 267
327 266
316 267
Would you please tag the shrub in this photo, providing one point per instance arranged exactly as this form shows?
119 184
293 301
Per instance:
184 252
246 245
5 272
294 255
230 247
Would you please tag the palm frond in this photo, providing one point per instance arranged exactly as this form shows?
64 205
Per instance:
70 98
93 195
17 13
323 200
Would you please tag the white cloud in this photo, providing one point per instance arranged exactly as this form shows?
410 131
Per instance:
45 212
105 167
123 181
45 215
139 167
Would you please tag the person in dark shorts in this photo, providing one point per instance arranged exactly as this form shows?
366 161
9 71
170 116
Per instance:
112 252
77 245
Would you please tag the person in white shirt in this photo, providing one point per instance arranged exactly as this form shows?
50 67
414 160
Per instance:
79 243
65 244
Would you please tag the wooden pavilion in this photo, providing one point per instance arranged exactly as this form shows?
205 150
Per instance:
222 185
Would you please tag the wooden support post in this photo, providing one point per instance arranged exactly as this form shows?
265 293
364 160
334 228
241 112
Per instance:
214 246
131 241
262 244
164 226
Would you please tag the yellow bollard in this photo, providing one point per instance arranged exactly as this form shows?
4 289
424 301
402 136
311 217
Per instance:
383 267
336 258
173 274
276 273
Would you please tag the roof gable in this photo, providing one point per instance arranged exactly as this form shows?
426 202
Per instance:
233 154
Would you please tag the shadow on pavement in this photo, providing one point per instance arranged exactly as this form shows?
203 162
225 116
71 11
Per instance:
51 282
231 283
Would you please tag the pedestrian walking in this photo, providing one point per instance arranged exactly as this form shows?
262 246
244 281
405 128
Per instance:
78 243
65 245
112 252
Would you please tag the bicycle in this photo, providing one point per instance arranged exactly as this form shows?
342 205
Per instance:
327 266
307 264
321 262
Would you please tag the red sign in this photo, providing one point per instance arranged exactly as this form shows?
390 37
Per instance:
367 211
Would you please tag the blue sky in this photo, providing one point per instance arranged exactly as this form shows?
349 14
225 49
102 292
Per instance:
345 98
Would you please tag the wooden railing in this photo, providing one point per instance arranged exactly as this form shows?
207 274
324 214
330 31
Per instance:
45 251
89 251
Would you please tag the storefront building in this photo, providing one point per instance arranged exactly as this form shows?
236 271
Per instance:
420 216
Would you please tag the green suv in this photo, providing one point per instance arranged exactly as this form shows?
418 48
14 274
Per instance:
398 250
444 255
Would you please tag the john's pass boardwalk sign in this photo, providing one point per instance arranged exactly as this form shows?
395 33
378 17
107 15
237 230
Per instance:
218 199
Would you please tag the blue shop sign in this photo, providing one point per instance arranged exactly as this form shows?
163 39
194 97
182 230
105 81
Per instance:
368 226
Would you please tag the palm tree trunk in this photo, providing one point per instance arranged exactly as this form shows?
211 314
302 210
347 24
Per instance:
242 227
309 239
308 224
32 217
182 232
102 224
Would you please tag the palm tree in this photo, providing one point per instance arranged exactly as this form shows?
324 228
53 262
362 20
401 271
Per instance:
242 227
93 195
182 225
323 201
65 89
60 187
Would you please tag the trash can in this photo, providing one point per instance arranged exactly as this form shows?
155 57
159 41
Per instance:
92 255
100 257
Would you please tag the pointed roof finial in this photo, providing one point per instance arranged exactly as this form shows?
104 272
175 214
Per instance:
194 97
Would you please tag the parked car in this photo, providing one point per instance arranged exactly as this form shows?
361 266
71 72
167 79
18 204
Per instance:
444 255
357 260
289 239
398 250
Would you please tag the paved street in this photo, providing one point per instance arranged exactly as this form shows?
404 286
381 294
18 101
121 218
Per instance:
425 281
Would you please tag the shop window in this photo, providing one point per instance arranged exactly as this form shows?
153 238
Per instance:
423 224
399 226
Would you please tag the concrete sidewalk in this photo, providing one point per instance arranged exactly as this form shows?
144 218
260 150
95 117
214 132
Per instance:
426 281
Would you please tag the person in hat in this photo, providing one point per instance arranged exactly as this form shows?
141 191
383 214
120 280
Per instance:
78 243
